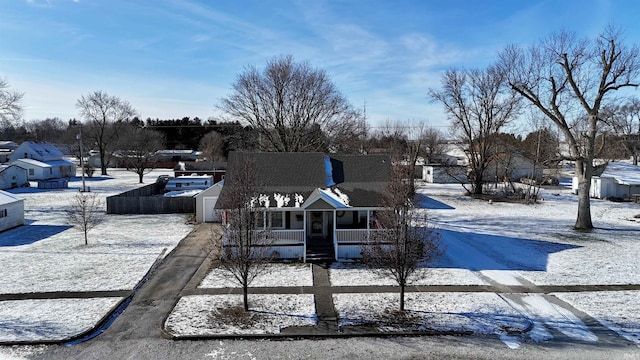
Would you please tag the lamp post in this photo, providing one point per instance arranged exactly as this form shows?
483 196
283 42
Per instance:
79 137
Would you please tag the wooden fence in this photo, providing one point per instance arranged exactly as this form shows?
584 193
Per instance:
149 200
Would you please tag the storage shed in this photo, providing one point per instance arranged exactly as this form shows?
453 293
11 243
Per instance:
206 202
11 211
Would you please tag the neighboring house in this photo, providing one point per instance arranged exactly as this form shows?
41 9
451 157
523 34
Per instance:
12 176
206 203
42 161
11 211
613 180
512 165
215 169
193 182
314 203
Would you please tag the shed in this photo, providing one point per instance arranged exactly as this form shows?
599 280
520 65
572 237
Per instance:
11 211
206 202
12 176
617 180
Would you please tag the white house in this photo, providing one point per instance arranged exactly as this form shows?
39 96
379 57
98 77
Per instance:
11 211
317 207
12 176
43 161
206 202
617 180
193 182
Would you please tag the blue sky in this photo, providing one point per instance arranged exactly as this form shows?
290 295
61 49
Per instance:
175 58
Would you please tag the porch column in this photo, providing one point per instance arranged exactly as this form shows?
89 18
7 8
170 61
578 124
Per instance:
335 235
304 236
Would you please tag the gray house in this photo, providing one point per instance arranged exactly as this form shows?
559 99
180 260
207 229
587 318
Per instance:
314 203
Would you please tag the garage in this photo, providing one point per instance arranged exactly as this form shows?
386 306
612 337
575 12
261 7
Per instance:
206 202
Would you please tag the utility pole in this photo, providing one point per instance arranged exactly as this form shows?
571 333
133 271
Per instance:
79 137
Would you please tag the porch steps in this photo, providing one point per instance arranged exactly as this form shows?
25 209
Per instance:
320 254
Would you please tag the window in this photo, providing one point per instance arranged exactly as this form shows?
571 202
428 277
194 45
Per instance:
31 172
3 213
277 219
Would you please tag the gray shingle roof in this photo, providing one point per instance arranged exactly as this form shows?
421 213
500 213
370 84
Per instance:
361 177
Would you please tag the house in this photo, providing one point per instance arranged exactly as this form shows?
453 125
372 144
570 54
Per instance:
42 161
12 176
192 182
613 180
215 169
314 204
206 202
512 164
11 211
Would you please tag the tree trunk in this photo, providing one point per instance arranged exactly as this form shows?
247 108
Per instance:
140 176
584 171
245 297
402 297
477 185
103 164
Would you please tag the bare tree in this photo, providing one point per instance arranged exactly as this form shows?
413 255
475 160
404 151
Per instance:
293 106
625 121
10 108
104 114
404 243
433 144
568 80
138 146
212 146
479 105
246 242
85 212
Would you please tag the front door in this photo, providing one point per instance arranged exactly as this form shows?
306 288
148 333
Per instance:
316 226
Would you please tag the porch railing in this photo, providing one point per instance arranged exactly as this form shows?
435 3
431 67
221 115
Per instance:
280 237
357 236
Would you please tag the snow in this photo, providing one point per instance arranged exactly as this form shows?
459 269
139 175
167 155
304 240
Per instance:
353 274
276 275
57 319
47 255
509 244
616 310
480 313
182 193
198 315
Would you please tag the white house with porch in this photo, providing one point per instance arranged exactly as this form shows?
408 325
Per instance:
316 206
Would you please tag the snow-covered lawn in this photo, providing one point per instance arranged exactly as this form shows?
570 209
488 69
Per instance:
56 319
199 315
537 241
617 310
353 274
480 313
276 275
47 255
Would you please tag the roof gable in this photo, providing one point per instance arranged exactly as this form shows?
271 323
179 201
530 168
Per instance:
41 151
625 174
